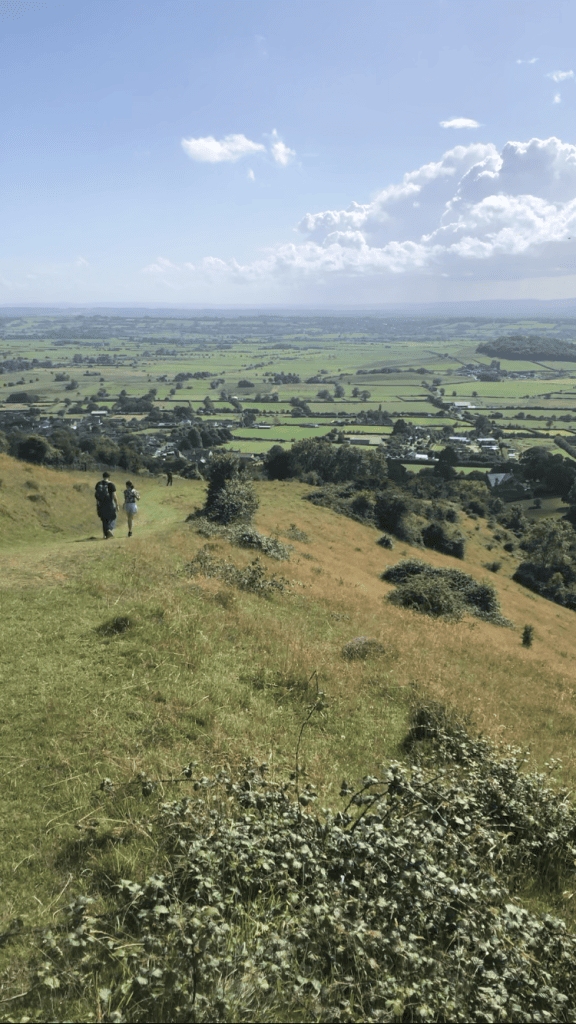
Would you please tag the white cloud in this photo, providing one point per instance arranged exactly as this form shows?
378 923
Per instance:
213 151
251 175
532 60
474 212
560 76
82 262
557 98
281 153
160 266
460 122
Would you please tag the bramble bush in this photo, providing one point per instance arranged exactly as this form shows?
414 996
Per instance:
400 907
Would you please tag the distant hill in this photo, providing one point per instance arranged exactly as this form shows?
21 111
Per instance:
528 346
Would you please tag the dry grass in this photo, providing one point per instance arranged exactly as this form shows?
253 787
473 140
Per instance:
205 672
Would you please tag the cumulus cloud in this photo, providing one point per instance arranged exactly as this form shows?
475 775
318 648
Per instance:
161 265
234 147
476 211
560 76
557 98
214 151
281 153
460 122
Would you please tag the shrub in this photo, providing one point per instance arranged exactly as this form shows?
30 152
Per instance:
234 502
527 636
476 508
443 592
295 533
389 510
385 542
428 596
246 536
252 578
436 537
400 906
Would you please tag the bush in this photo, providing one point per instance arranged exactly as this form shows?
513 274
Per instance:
235 502
436 537
402 905
389 510
246 536
443 592
385 542
230 498
252 578
428 596
527 636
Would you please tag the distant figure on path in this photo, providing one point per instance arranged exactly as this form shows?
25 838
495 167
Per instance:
168 478
131 496
106 504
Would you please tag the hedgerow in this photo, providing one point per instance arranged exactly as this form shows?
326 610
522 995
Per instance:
402 906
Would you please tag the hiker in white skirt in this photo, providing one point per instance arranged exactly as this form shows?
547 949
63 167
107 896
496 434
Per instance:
131 496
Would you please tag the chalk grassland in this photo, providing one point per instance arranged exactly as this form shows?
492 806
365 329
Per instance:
115 660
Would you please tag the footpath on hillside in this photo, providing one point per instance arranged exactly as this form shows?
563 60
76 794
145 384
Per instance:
46 556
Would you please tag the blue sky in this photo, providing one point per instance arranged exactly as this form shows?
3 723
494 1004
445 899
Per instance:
287 152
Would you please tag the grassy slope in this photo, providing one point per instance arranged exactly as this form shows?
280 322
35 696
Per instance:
205 673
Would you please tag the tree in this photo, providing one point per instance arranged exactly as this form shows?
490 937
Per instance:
34 448
400 427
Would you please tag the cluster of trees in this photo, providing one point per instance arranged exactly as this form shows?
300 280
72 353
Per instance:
423 508
528 346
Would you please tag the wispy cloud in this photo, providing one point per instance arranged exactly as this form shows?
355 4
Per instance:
251 175
557 98
532 60
460 122
281 153
81 261
215 151
160 266
560 76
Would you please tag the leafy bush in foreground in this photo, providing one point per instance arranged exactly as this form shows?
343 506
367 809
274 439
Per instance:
443 592
400 907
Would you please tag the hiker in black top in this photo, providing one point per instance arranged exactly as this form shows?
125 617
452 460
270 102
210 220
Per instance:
106 504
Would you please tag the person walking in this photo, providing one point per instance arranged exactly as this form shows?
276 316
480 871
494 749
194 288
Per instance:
168 478
131 497
106 505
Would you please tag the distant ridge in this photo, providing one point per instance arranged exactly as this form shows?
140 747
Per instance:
513 309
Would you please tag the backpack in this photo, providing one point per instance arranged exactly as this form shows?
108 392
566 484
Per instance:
102 492
130 496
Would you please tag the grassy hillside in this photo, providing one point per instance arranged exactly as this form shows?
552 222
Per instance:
119 666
